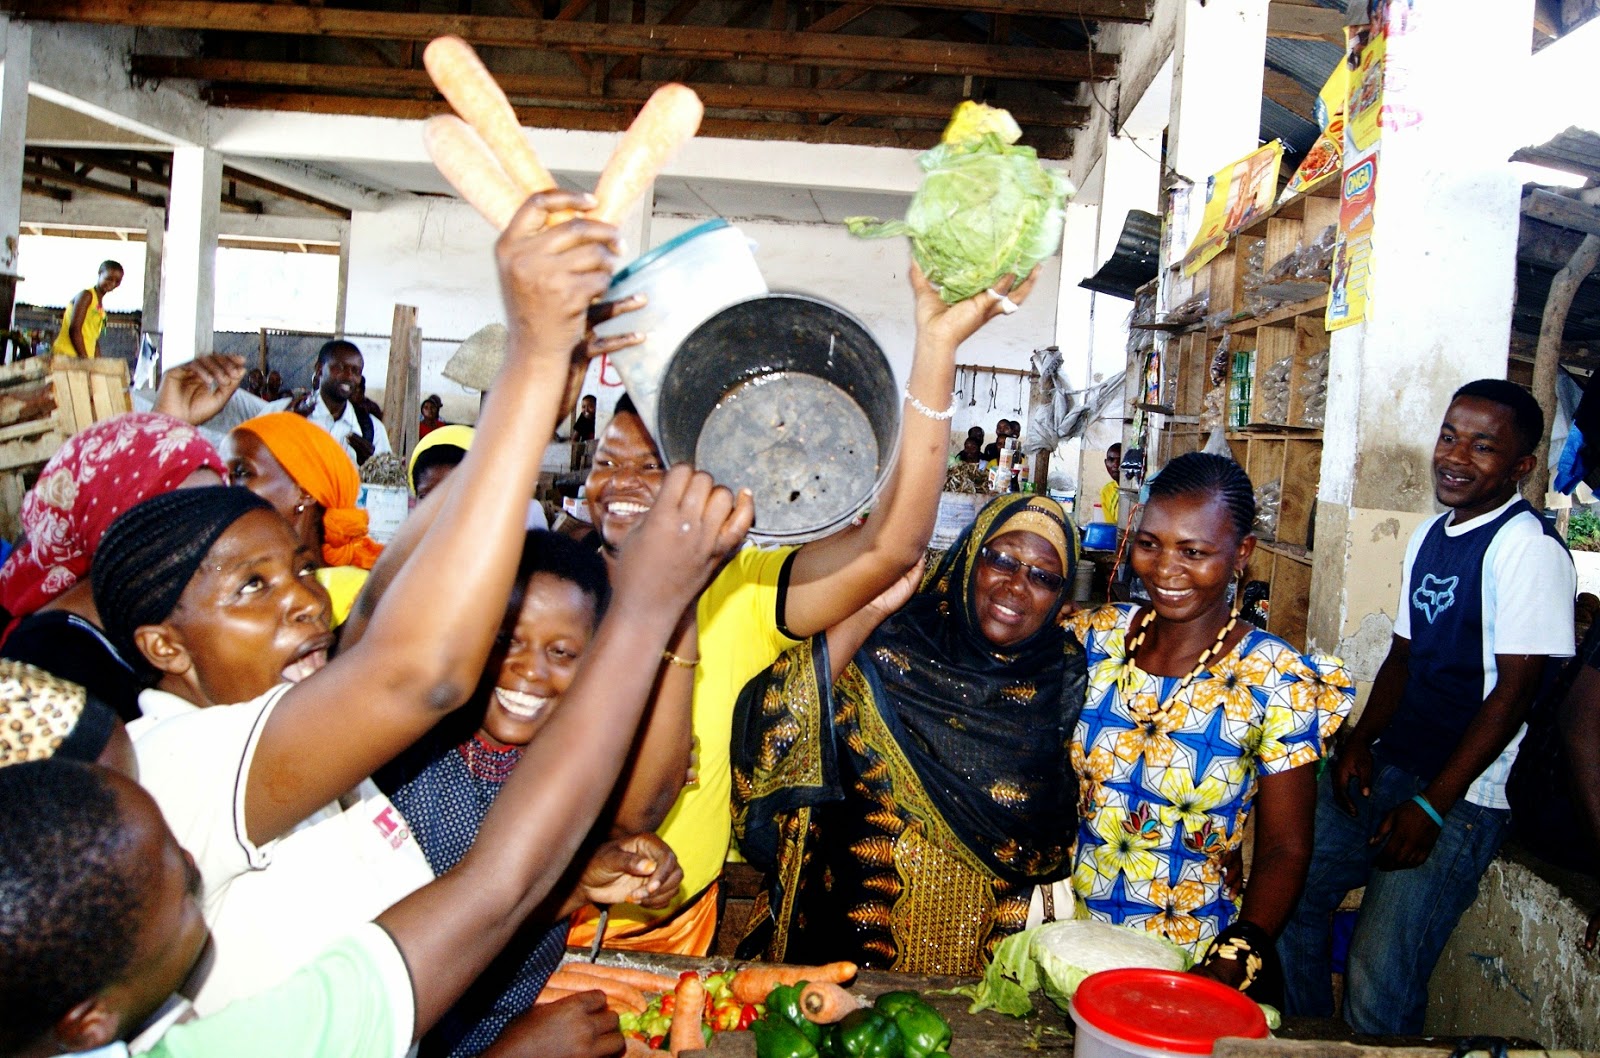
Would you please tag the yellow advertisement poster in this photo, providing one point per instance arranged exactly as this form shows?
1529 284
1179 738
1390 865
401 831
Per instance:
1365 48
1325 159
1234 196
1352 256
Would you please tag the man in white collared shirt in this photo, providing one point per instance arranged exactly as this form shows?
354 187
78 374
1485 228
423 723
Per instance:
339 369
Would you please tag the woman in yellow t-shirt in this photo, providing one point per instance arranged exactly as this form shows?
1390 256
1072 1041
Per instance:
85 317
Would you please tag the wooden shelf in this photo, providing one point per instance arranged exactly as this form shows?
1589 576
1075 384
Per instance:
1278 315
1289 551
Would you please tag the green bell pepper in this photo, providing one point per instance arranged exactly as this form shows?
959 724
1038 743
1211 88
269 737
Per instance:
829 1046
924 1029
869 1033
784 1001
779 1038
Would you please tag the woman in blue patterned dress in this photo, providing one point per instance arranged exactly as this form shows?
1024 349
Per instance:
1195 721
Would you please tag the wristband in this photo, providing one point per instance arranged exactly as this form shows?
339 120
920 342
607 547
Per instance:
1433 813
674 660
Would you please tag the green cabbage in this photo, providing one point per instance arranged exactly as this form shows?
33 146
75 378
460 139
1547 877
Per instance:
1055 958
986 209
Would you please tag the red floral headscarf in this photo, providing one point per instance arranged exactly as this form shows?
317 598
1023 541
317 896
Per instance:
97 474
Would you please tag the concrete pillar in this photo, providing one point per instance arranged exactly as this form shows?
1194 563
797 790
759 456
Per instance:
1074 327
154 239
1445 223
188 282
1218 58
1131 180
342 294
16 40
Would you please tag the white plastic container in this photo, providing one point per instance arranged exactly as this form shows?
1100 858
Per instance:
688 279
1158 1014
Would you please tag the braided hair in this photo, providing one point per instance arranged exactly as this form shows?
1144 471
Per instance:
1213 475
152 551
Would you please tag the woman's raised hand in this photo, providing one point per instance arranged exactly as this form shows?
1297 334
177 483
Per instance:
954 324
550 277
684 539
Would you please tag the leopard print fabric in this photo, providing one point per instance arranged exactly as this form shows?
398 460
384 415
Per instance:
37 711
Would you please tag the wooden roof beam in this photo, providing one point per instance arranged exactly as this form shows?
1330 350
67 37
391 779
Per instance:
50 175
625 94
608 120
710 43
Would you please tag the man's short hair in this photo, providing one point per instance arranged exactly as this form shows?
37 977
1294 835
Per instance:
69 898
1114 446
112 266
1527 418
338 345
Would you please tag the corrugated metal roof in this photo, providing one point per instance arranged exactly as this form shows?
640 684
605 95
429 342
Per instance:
1280 123
1135 260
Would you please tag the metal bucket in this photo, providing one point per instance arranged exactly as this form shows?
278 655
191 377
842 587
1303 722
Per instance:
792 398
687 279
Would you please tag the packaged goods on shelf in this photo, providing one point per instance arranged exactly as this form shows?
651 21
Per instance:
1272 393
1269 501
1191 310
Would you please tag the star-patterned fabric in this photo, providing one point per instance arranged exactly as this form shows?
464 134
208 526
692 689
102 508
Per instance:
1164 801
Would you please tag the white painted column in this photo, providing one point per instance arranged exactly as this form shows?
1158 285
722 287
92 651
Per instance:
1445 224
16 40
188 281
154 240
342 294
1219 58
1075 325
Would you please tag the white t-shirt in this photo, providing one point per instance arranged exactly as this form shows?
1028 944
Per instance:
1528 588
271 908
243 406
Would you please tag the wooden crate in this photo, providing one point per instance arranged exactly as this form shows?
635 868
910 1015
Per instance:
44 401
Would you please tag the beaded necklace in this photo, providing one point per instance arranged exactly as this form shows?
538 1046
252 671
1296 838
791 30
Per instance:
1129 679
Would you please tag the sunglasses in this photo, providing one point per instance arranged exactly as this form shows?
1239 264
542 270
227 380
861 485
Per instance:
1009 565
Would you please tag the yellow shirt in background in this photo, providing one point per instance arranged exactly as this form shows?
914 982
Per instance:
1110 495
94 322
343 584
739 637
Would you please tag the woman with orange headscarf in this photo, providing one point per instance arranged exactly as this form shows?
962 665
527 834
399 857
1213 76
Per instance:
302 471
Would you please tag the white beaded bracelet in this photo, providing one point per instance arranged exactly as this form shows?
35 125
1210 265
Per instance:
923 409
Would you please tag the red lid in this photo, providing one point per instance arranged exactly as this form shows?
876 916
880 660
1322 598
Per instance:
1168 1011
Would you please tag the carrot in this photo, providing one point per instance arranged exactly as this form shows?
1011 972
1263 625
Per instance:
826 1003
751 984
669 120
471 89
567 977
462 159
643 980
549 994
687 1011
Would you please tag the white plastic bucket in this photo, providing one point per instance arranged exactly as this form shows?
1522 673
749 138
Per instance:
687 279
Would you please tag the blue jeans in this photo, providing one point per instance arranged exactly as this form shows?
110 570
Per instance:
1406 916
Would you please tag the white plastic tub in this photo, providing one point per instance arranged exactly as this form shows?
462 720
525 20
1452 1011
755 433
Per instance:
688 279
1158 1014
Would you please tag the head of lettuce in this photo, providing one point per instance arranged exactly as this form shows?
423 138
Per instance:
986 208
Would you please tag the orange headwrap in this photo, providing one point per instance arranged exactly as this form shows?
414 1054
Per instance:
319 465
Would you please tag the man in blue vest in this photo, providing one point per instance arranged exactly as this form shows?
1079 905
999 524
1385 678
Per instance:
1414 806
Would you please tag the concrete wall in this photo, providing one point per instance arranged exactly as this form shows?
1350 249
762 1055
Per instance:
435 254
1514 966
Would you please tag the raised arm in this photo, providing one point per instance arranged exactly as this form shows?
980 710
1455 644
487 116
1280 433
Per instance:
449 930
831 579
425 647
659 763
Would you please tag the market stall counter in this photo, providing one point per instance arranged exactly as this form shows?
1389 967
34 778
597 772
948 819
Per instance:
989 1034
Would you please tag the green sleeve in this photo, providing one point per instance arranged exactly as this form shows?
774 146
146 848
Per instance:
355 1000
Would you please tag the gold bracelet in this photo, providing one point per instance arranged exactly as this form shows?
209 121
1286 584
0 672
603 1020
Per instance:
683 663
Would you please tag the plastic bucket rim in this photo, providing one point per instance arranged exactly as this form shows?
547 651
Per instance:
1188 981
887 462
650 257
